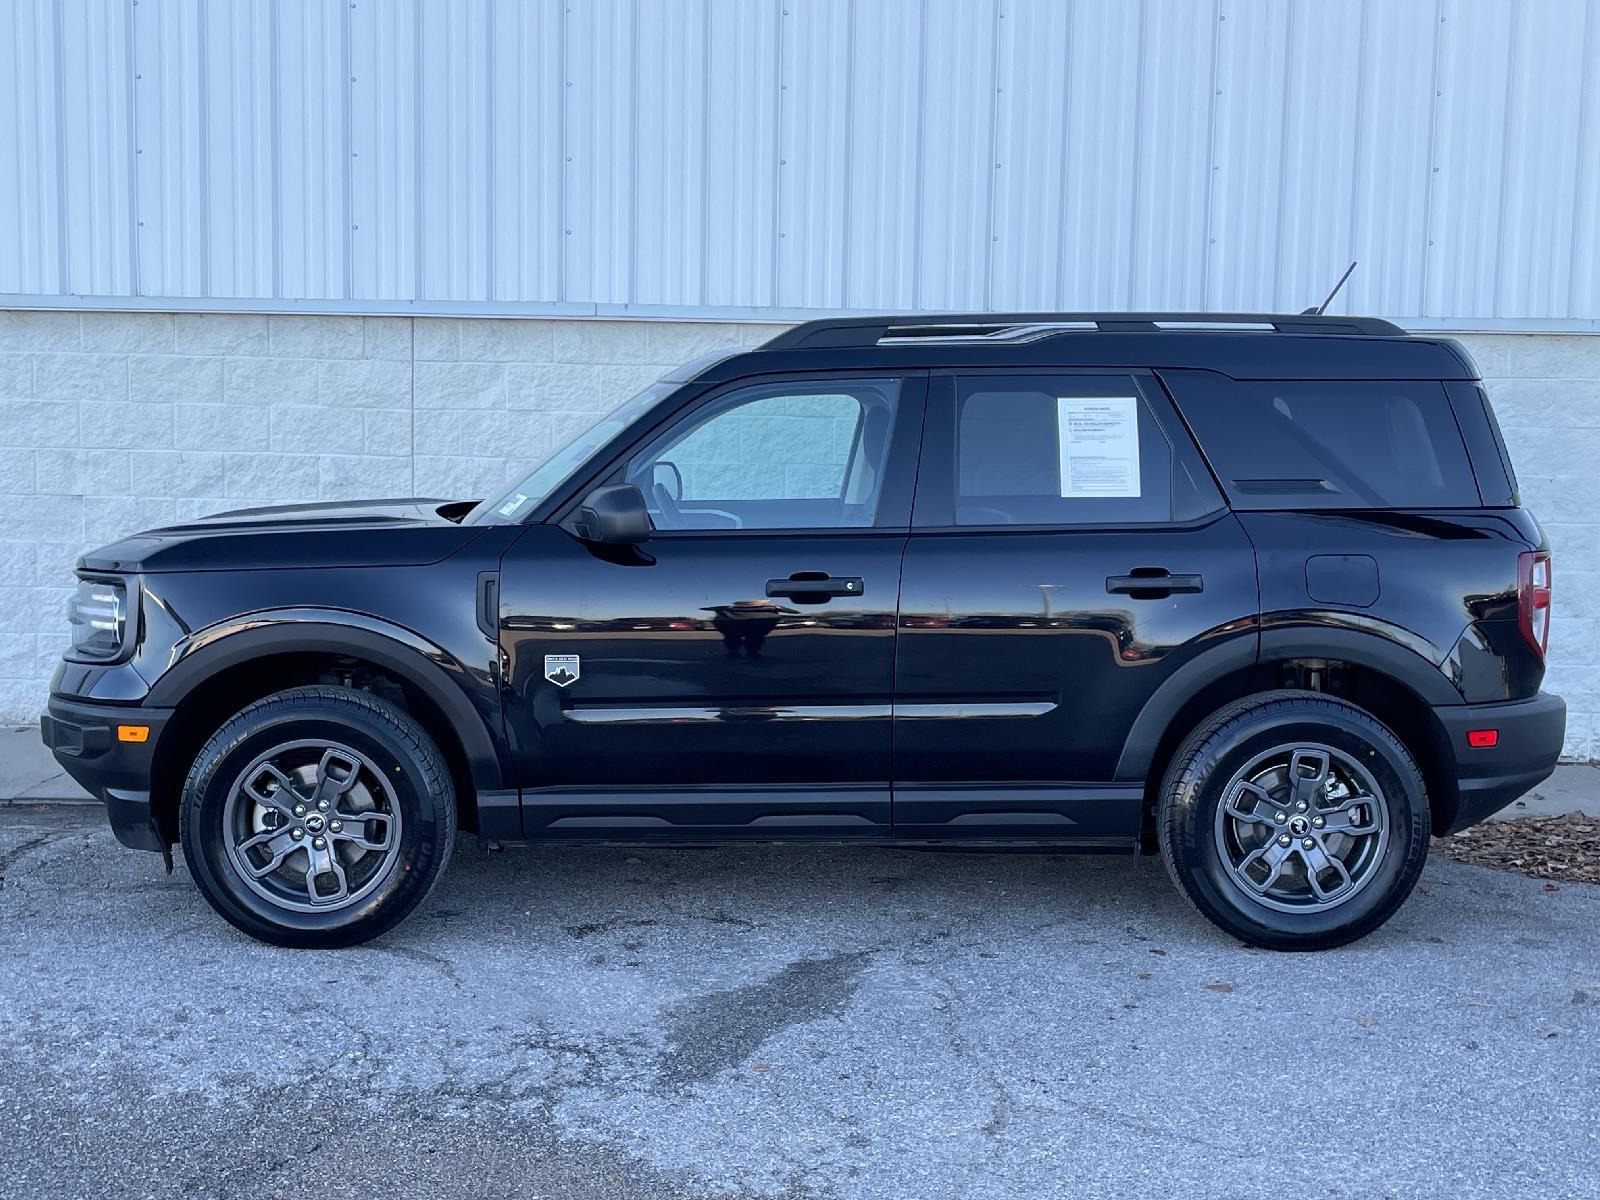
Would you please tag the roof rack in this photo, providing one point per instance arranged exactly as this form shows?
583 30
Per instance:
968 328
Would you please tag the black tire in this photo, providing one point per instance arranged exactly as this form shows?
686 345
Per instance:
415 784
1195 838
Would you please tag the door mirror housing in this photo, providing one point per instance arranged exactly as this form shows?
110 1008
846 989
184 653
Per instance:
614 515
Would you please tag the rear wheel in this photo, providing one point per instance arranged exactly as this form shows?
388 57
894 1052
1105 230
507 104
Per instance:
1294 821
319 816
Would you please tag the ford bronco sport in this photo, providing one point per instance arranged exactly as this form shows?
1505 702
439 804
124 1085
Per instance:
1253 592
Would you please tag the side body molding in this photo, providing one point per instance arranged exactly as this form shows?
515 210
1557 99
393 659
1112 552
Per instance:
404 653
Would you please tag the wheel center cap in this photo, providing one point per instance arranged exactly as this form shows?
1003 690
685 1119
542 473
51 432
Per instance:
314 823
1299 827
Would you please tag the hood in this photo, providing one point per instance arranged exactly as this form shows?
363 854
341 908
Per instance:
346 533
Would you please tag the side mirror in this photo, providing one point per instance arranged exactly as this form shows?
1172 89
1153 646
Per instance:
614 515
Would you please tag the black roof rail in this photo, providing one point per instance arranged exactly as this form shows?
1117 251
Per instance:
869 331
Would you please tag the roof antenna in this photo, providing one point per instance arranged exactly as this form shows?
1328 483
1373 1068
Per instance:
1317 312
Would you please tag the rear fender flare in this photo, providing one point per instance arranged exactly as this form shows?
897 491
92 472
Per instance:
1378 645
1183 685
1389 653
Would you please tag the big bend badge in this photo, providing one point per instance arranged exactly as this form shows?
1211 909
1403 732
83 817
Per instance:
561 669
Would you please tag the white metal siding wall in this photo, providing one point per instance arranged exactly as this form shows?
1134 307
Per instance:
709 157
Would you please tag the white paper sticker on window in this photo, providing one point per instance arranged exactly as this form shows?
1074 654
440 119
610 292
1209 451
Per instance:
1099 445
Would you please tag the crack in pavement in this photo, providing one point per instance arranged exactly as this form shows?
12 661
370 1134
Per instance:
610 924
13 856
438 962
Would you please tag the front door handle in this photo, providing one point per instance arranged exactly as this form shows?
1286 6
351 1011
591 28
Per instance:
1153 583
815 586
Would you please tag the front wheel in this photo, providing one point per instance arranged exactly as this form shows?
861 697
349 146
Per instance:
1294 821
317 817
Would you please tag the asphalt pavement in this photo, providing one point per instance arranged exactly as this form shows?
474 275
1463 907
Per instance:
802 1022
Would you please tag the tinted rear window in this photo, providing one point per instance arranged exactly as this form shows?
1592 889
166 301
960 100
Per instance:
1013 466
1335 444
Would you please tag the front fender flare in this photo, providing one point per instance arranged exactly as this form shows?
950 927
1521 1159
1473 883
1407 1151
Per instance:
402 652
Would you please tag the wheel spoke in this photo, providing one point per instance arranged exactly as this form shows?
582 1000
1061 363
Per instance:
325 862
1318 862
357 827
261 839
1308 775
279 845
282 799
1273 855
336 775
1251 802
1356 815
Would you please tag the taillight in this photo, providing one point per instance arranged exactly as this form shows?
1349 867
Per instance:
1533 598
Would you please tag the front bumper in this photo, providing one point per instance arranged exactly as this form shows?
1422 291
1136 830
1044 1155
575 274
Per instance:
83 738
1530 736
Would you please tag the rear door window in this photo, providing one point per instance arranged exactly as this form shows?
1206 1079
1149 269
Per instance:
1050 451
1329 444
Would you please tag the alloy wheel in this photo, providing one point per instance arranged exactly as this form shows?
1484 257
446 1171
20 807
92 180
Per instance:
312 826
1302 828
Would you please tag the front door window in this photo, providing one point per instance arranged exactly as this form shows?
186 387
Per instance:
779 456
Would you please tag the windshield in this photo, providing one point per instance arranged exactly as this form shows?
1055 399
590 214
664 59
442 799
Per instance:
562 462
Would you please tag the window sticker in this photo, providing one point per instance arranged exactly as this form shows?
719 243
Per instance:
1099 445
509 508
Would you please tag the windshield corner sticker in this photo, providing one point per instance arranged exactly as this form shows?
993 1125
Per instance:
509 508
561 669
1099 445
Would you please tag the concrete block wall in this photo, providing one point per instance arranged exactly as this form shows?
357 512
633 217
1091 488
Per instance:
115 422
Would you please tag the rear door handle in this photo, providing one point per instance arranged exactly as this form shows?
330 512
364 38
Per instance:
815 586
1153 583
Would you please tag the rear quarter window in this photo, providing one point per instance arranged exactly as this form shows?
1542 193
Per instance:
1511 493
1334 444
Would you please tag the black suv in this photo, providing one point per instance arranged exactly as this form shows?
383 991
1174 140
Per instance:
1254 592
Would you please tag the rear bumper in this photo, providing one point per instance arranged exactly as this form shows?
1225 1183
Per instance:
83 738
1530 736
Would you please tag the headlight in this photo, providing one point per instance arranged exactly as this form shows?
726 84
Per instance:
99 616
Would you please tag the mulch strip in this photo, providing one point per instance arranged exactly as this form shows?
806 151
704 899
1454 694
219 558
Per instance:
1565 848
